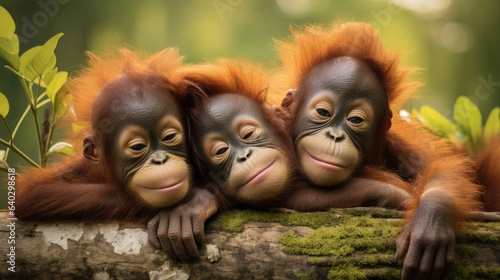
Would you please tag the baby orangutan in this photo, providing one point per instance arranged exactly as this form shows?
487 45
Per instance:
243 150
134 160
341 125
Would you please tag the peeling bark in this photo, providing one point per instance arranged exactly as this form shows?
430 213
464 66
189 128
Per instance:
68 250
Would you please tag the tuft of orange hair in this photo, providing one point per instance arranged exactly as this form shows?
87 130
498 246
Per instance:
487 167
105 67
228 76
309 46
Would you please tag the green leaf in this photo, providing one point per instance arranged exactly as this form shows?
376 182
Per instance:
63 148
7 25
10 44
62 103
469 122
9 50
437 122
42 59
27 57
492 126
4 106
56 84
49 76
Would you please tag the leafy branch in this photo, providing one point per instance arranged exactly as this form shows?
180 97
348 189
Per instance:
42 84
467 129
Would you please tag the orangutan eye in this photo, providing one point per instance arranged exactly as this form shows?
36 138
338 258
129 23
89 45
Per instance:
221 151
248 135
355 120
323 113
138 147
249 132
169 137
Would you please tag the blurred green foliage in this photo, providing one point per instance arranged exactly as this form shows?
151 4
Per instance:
42 84
455 42
468 130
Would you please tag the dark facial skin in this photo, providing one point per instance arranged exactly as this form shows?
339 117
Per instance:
342 106
240 148
342 111
140 134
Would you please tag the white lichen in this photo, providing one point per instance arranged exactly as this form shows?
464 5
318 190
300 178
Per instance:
125 241
168 272
59 233
102 275
213 253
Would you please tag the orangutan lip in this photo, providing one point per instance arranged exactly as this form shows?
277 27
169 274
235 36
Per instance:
173 186
321 161
259 173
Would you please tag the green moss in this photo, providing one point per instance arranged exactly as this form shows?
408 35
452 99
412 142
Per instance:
346 271
480 236
464 251
475 272
234 221
494 226
358 260
305 276
358 244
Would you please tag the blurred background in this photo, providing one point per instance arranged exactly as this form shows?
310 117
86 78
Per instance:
456 43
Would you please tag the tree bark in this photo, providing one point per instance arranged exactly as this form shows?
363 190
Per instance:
82 250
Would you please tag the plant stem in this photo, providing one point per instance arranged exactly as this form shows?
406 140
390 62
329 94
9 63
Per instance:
49 137
38 90
16 129
8 129
27 91
15 72
46 101
19 152
38 133
32 102
42 103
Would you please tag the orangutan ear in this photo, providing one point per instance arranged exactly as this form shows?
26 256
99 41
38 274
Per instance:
289 99
91 150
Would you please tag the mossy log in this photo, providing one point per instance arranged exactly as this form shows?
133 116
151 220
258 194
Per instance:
337 244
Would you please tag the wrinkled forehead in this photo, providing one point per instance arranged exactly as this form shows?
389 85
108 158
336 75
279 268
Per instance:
222 110
345 77
142 106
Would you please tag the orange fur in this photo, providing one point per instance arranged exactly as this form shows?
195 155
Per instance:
311 45
434 160
104 67
77 188
229 76
488 171
412 152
